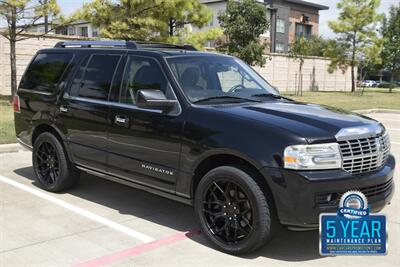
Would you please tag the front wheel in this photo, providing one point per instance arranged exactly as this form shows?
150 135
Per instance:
232 210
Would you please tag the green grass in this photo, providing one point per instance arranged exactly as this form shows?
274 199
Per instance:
7 131
372 98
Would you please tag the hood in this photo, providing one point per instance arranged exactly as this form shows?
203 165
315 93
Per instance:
313 122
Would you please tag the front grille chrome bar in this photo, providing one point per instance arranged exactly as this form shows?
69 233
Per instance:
365 154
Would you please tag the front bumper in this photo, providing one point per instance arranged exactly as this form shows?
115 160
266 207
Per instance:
299 195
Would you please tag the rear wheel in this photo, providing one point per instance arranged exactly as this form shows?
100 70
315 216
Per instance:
52 168
233 211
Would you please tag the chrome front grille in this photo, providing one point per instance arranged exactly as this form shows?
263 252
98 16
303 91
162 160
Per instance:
364 154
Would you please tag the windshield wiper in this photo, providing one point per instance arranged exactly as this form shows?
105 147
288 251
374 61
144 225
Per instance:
272 96
225 97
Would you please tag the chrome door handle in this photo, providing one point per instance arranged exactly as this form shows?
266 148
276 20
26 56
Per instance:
121 120
64 109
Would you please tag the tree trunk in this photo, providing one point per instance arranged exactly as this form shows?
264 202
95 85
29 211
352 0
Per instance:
353 63
13 60
171 26
46 24
353 87
301 78
13 65
46 20
391 82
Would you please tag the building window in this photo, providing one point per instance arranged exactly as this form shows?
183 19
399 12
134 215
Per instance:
303 30
280 25
280 47
211 23
84 31
62 31
71 30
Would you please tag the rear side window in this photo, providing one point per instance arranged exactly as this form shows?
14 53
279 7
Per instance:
45 71
94 77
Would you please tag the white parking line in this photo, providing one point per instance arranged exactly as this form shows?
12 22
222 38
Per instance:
392 129
395 143
118 227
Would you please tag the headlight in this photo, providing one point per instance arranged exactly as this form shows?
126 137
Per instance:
313 157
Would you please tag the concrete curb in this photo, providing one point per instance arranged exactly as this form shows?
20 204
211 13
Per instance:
11 148
377 110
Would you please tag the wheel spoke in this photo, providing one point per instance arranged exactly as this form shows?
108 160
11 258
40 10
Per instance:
226 226
213 213
235 230
226 192
219 203
40 157
247 222
219 188
214 195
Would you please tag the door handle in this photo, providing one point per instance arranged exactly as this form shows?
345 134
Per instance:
121 120
64 109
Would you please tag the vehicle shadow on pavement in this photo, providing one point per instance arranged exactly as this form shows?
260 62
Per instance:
286 245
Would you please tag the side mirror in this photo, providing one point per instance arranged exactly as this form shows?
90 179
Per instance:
154 99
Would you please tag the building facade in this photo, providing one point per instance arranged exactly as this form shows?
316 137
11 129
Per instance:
79 28
289 20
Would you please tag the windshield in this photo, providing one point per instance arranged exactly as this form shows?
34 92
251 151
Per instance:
218 79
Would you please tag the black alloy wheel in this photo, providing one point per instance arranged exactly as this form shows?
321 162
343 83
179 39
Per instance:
48 167
228 212
54 172
233 211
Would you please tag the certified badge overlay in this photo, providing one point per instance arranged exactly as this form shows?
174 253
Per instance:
352 230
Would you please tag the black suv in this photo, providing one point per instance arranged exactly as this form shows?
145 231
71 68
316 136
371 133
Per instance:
201 128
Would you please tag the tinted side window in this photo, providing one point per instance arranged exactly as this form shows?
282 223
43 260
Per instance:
141 73
94 78
45 71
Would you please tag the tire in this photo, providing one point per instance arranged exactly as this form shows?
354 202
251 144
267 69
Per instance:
236 221
53 171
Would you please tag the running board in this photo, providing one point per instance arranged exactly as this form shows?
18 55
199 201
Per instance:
136 185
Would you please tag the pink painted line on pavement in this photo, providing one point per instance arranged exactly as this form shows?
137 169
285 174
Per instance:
123 254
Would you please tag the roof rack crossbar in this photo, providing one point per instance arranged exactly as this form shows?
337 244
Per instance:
89 44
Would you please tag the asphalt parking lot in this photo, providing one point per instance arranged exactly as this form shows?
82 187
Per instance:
101 223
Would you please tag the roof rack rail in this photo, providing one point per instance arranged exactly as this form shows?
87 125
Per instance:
165 45
90 44
123 44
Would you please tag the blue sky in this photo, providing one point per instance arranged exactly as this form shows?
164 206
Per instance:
69 6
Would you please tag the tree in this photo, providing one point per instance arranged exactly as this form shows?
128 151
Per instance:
243 22
187 12
356 27
302 48
143 20
19 16
49 8
197 39
391 42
